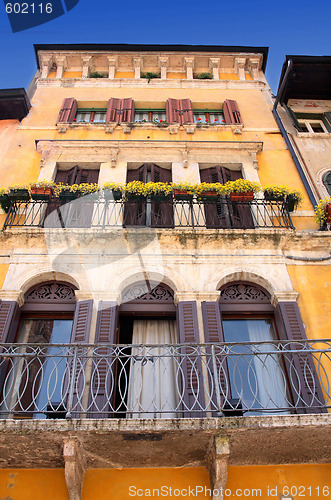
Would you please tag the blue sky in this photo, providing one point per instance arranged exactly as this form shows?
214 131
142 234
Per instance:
286 27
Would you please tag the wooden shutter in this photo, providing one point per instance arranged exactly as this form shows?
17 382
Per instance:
135 211
8 312
231 112
114 110
193 386
301 369
88 176
68 110
327 120
216 214
103 384
186 111
239 212
213 328
127 110
162 213
173 111
293 118
80 335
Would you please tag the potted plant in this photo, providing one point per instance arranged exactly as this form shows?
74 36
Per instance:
150 75
4 200
183 191
67 192
96 74
159 191
205 76
19 192
242 189
323 211
113 191
41 190
293 197
209 191
136 191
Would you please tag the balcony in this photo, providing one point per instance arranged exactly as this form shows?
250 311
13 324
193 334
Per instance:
63 381
88 212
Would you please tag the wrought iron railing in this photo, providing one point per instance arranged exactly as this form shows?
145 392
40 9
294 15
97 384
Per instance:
164 381
87 212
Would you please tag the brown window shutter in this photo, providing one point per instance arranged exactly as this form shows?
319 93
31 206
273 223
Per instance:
135 211
162 213
213 328
68 111
192 382
8 313
173 111
127 110
79 335
307 394
231 112
88 176
114 110
186 111
102 396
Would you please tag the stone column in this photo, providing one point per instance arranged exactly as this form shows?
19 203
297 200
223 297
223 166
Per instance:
254 68
163 65
240 67
189 64
214 63
86 66
60 62
137 67
45 66
111 67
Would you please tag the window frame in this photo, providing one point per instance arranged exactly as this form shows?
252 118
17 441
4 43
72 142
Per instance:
92 112
207 113
150 112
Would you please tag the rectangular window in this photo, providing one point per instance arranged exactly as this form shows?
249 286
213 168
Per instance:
150 115
208 117
91 115
313 123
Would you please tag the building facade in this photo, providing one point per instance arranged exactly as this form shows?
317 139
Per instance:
154 339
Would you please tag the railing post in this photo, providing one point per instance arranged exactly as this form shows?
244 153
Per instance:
217 387
72 383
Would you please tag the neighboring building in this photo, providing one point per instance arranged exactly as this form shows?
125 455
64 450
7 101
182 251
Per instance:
304 97
134 289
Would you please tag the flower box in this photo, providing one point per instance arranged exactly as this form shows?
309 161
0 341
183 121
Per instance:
69 195
211 196
133 197
182 195
160 197
234 196
4 202
41 193
117 194
291 202
273 197
19 195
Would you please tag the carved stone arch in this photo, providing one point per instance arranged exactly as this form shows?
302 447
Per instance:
164 275
254 276
148 297
244 292
40 275
50 295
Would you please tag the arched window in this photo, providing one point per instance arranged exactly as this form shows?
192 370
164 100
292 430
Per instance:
143 374
36 383
327 181
255 373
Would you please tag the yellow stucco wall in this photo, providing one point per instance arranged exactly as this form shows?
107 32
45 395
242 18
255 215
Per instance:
124 74
3 268
171 74
264 482
313 283
228 76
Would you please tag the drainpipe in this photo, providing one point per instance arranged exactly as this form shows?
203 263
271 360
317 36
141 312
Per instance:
287 140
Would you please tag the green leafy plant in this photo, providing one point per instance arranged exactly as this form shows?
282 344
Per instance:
205 76
284 193
321 210
96 74
150 75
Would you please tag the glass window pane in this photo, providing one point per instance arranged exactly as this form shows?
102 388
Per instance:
83 117
100 117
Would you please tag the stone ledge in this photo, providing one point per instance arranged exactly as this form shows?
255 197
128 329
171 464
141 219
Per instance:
167 442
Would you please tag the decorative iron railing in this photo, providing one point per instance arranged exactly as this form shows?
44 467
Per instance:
164 381
88 212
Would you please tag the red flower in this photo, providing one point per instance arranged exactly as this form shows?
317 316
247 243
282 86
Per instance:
74 120
199 119
206 121
223 121
216 120
92 120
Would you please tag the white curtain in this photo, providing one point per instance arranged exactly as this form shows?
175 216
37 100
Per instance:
152 385
269 375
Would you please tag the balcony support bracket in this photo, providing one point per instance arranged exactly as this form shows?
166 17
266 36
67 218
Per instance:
217 465
74 467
